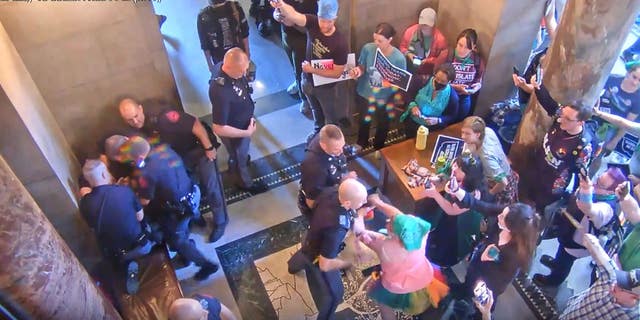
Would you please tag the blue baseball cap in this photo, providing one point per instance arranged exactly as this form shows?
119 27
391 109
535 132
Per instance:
328 9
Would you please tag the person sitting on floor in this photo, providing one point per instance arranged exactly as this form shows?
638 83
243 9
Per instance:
455 230
469 68
435 105
408 281
199 307
483 142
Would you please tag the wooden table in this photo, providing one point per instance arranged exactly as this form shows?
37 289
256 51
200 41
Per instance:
393 181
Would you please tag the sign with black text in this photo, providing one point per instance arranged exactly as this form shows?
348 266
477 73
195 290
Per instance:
448 146
397 77
627 145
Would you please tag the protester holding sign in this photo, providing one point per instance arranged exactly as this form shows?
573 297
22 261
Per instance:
324 41
469 68
376 99
435 105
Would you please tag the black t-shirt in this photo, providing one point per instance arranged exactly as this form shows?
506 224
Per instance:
320 46
496 274
210 304
320 170
118 228
230 99
222 28
163 177
301 6
558 159
175 128
327 228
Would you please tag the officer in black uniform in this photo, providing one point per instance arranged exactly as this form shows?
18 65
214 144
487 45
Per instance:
195 143
324 165
233 120
222 25
333 216
163 185
115 215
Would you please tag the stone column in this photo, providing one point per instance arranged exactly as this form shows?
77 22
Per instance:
590 36
40 273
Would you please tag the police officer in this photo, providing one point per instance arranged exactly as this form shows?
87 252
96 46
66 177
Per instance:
332 218
163 185
114 213
189 138
222 25
233 119
324 165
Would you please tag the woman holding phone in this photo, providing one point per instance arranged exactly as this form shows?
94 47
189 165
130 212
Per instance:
506 250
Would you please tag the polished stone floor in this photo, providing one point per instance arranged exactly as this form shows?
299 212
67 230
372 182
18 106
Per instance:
265 228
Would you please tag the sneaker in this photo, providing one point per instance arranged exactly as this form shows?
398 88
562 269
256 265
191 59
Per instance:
293 89
132 284
205 271
217 232
548 261
305 109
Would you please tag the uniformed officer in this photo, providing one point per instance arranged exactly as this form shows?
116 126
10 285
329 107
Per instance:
163 184
333 216
188 137
115 215
233 119
222 25
324 165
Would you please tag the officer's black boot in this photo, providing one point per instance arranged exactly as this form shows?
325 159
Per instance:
217 232
205 271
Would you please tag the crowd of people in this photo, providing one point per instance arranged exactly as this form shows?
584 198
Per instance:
147 184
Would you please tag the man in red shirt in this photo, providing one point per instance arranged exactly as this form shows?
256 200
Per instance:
424 46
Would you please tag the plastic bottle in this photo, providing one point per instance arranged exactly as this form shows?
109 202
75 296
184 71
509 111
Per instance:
441 163
421 138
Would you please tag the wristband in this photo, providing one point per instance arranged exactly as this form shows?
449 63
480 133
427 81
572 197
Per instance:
585 197
209 149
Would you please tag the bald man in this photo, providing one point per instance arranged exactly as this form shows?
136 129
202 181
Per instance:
200 307
332 217
196 145
233 120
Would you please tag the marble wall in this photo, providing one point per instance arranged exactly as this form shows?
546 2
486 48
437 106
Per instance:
39 272
84 55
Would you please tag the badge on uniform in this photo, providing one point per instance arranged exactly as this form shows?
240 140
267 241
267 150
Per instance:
238 90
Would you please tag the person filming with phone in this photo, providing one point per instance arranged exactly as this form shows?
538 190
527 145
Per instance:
502 254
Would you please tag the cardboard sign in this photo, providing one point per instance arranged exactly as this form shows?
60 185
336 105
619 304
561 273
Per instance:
450 147
397 77
327 64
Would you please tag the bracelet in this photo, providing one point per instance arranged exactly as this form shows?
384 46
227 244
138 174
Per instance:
209 149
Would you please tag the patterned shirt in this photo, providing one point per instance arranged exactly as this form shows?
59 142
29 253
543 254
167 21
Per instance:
598 303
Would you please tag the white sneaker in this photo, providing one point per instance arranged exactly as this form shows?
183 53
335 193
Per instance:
293 89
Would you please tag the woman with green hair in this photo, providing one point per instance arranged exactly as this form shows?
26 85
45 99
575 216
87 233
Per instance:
408 282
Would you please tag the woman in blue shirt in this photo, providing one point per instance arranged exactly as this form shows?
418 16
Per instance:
376 99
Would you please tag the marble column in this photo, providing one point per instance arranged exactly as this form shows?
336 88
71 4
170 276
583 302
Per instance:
589 38
40 273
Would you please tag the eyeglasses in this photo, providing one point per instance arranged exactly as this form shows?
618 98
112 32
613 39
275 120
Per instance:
564 118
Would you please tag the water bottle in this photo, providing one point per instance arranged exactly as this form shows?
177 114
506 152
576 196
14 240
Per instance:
421 138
